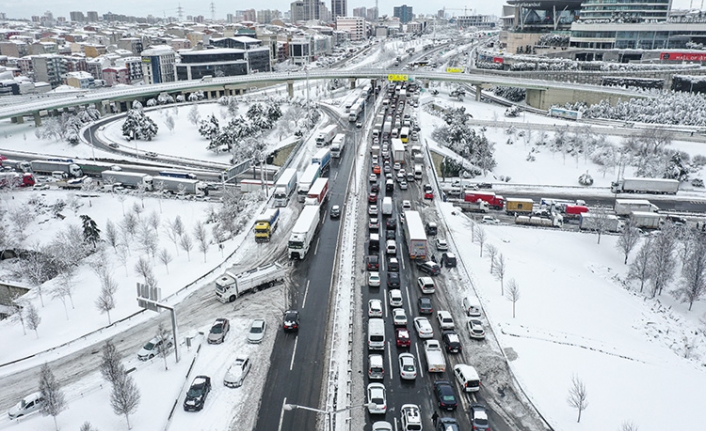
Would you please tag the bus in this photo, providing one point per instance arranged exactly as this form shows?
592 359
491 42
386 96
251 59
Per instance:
404 134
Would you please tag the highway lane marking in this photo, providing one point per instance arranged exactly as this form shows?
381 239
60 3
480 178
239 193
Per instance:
294 354
389 357
316 249
335 176
419 361
384 298
281 414
306 292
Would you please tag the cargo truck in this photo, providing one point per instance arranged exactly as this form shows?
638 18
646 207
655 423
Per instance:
266 224
436 361
494 201
318 192
307 180
623 207
303 232
397 151
179 185
478 206
247 186
326 135
355 112
13 179
323 159
285 186
646 219
555 220
515 206
415 235
645 185
230 286
178 174
387 206
339 142
606 222
128 179
47 167
573 211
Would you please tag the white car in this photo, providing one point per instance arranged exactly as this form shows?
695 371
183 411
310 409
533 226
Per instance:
410 417
442 245
476 330
408 366
237 372
490 220
372 178
257 331
445 320
374 308
153 347
374 159
406 205
29 404
391 247
374 279
403 185
377 399
396 166
382 426
423 327
373 210
399 317
395 298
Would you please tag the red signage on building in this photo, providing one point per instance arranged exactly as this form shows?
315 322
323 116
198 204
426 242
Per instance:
498 60
683 56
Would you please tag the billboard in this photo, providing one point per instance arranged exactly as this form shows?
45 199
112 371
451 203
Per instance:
683 56
397 77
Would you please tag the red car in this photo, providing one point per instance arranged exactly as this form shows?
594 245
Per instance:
402 337
373 198
376 169
428 192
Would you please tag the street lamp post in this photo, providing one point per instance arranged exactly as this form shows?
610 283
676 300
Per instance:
330 414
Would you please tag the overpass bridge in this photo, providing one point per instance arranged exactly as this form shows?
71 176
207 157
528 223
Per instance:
540 94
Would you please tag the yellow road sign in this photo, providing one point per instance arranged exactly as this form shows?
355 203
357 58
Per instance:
454 70
396 77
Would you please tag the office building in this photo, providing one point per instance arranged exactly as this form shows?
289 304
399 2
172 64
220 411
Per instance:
404 13
338 8
360 11
158 64
221 62
353 25
76 16
372 14
92 16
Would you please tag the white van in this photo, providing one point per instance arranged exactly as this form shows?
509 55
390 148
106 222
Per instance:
467 377
376 367
376 334
387 206
27 405
472 306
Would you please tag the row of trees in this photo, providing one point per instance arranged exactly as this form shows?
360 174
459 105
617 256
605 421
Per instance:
66 126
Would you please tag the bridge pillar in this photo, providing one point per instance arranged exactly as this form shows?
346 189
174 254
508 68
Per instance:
352 81
478 90
99 107
37 119
290 89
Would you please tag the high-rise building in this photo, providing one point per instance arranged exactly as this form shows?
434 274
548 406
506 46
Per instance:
308 10
339 8
76 16
230 18
92 16
158 64
267 15
353 25
359 11
296 11
404 13
250 15
372 14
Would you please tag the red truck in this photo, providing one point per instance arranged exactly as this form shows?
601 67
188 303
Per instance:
574 211
496 202
16 179
318 192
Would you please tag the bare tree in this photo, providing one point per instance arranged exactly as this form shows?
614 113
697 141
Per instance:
500 272
143 267
111 234
17 309
201 236
178 226
153 220
106 299
87 427
693 281
111 368
169 121
481 237
194 115
60 293
149 240
54 401
662 262
600 222
141 190
577 395
165 257
492 253
640 267
122 255
628 239
186 244
163 334
122 198
33 318
172 235
125 398
513 294
628 426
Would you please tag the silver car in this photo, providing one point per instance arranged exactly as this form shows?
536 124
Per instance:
237 372
153 347
257 331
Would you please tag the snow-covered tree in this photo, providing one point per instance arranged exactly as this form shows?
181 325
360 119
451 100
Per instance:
194 115
201 236
209 128
662 261
186 243
125 397
693 281
33 318
500 270
91 233
165 257
628 239
54 400
111 368
139 126
106 299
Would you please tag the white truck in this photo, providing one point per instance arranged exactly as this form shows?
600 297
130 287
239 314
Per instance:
339 142
285 186
48 167
230 286
645 185
326 135
594 221
555 220
387 206
623 207
310 175
436 361
179 185
397 151
646 219
478 206
128 179
303 232
355 111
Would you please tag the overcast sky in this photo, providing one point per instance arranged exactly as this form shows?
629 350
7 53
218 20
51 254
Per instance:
27 8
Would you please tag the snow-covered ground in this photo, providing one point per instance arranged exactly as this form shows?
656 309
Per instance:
574 315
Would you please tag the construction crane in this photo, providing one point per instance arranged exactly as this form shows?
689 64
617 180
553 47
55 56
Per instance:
465 10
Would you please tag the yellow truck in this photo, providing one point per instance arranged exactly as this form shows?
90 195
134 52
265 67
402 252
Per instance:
514 206
266 225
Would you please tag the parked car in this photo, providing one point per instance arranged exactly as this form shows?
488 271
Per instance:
257 331
198 391
402 337
479 417
424 305
475 329
445 395
448 260
218 331
408 366
237 372
27 405
423 327
452 342
153 347
490 220
291 320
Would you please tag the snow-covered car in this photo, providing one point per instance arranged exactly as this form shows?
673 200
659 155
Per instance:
475 329
382 426
479 417
445 320
237 372
27 405
257 331
198 391
218 331
374 308
373 210
153 347
490 220
406 205
403 185
399 317
402 338
40 186
441 244
372 178
423 327
408 366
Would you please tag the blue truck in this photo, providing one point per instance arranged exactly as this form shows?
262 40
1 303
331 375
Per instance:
323 159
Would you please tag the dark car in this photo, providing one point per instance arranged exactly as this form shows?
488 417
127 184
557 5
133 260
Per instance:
479 417
447 424
375 187
218 331
391 234
424 305
448 260
196 396
393 264
445 395
373 198
430 267
484 186
291 320
452 342
431 228
393 280
391 223
373 262
335 211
